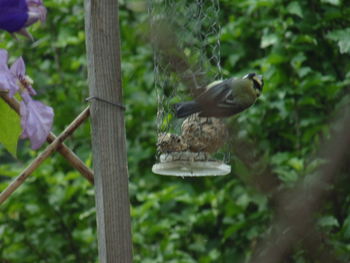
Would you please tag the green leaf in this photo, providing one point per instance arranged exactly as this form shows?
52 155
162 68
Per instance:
296 163
328 221
268 40
343 38
298 60
295 9
10 128
332 2
346 227
304 71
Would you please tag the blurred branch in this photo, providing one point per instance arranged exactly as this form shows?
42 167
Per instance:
263 178
297 208
62 148
317 249
166 46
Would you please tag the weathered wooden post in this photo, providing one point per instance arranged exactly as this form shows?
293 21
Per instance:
108 131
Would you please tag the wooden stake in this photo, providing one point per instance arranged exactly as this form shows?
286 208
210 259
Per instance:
108 131
44 155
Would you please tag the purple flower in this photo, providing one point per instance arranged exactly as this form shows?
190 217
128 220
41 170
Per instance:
13 14
36 117
16 15
36 120
18 69
7 79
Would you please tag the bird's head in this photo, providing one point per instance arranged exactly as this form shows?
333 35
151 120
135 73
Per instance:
258 82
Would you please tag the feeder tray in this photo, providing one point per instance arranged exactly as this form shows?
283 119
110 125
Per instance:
189 164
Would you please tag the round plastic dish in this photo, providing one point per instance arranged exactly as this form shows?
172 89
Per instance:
190 164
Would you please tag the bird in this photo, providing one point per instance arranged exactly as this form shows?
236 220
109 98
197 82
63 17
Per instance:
168 142
203 134
223 98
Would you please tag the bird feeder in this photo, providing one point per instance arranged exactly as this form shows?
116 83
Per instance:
185 38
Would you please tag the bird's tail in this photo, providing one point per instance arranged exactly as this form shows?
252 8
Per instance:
184 109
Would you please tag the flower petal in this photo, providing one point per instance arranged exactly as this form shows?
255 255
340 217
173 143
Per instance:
37 11
36 120
18 69
7 79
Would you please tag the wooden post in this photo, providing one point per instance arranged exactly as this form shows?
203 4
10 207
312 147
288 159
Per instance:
108 131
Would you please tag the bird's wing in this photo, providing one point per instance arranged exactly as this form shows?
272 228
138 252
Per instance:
215 93
225 99
223 109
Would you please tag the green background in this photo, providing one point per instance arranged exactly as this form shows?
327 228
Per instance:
303 50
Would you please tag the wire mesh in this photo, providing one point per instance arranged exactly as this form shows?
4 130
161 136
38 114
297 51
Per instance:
186 40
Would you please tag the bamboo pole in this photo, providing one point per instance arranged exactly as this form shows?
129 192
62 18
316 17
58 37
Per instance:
44 155
68 154
108 131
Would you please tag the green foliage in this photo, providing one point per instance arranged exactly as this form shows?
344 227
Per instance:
44 220
342 37
10 128
301 48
